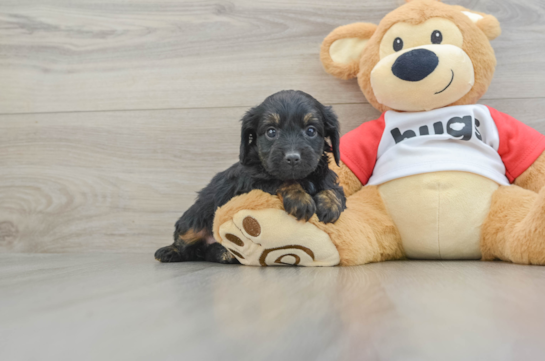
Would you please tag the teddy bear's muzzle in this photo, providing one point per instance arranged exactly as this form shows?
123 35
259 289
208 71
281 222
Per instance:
423 78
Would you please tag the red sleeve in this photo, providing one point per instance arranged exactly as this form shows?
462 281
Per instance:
359 148
520 145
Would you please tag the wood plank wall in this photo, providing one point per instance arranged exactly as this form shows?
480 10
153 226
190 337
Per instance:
114 113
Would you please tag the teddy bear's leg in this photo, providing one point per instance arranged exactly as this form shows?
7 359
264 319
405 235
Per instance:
257 231
514 230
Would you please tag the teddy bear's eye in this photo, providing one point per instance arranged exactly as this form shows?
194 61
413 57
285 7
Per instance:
398 44
436 37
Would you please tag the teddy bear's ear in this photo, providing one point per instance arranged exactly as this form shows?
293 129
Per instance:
487 23
342 48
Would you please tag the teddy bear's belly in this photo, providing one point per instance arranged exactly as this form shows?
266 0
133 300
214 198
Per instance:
439 215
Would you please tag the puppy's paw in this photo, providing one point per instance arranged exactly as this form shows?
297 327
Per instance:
169 254
219 254
297 202
328 206
301 207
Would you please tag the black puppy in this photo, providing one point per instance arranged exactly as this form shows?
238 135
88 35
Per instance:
282 152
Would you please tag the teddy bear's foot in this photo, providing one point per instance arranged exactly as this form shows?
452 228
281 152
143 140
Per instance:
271 237
515 227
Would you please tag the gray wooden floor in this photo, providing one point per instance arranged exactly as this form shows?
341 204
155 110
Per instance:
113 113
127 307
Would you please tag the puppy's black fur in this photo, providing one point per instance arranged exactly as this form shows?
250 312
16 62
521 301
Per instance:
282 152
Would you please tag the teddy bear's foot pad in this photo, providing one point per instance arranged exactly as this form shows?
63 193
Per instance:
271 237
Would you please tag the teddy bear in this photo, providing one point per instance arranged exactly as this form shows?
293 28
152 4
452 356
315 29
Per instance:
436 176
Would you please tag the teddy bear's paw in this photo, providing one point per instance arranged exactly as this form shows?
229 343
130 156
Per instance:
271 237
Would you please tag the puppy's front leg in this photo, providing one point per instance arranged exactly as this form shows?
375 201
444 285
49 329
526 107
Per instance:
329 205
331 201
297 202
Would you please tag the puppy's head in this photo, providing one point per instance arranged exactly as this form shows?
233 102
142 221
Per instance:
287 134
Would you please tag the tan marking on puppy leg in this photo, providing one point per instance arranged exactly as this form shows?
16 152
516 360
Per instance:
251 226
294 192
297 202
329 199
192 236
328 206
289 187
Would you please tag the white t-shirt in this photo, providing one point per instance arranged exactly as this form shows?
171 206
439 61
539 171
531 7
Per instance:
469 138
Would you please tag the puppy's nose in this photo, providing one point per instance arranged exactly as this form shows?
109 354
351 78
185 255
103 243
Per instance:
293 159
415 65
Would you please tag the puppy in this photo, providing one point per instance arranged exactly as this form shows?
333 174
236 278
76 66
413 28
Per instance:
282 152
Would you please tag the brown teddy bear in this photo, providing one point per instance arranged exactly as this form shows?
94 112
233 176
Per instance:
437 176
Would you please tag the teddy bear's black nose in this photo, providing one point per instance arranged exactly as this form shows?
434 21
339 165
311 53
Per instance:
415 65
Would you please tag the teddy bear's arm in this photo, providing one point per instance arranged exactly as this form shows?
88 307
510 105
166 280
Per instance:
347 179
533 178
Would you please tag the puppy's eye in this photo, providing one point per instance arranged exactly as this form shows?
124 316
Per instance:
311 132
436 37
271 133
398 44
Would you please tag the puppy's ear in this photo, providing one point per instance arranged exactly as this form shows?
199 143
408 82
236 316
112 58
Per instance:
248 136
331 125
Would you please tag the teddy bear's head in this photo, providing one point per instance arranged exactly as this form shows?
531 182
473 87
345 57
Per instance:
423 55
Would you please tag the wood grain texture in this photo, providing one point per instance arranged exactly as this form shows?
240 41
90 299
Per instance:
88 55
130 307
110 181
117 181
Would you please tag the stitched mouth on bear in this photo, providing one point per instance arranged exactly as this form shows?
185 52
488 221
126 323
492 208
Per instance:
451 79
422 78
